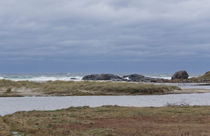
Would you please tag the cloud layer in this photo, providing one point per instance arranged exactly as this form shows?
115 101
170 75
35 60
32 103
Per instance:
104 30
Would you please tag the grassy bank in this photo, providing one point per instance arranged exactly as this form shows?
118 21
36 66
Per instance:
203 79
70 88
113 121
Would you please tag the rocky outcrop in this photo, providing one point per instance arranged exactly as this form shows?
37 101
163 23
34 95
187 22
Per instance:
180 75
103 77
129 78
138 78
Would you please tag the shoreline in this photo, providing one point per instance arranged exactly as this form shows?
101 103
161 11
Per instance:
183 91
191 91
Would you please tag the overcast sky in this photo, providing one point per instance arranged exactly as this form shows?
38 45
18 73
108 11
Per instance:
117 36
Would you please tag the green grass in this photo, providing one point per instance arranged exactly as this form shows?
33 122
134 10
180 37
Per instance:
62 88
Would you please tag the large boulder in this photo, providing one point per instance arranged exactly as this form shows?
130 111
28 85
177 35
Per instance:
180 75
102 77
138 78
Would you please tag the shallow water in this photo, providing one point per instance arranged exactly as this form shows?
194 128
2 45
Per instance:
188 85
14 104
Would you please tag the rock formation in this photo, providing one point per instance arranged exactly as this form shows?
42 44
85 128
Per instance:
138 78
103 77
180 75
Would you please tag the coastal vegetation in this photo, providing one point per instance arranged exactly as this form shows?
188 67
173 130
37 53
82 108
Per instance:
204 78
112 121
71 88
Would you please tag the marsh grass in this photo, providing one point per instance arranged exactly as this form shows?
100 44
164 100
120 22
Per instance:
85 88
113 121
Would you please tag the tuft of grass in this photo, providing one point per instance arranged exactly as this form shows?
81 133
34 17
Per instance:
70 88
95 132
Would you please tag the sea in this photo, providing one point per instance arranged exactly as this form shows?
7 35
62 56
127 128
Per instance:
42 77
65 77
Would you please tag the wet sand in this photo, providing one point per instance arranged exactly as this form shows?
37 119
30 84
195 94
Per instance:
23 92
190 91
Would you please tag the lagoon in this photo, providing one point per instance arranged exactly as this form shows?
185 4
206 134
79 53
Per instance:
9 105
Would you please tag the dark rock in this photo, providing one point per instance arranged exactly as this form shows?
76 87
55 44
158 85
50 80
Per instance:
134 77
180 75
129 78
103 77
139 78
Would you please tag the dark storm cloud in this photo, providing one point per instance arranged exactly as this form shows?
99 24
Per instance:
104 29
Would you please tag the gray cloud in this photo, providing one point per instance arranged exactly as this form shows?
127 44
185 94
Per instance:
121 29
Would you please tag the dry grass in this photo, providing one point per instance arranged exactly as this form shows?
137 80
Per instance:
113 121
62 88
4 129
